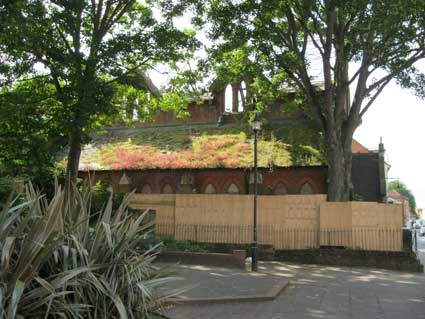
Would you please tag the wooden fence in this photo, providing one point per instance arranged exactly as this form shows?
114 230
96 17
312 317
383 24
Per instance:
286 222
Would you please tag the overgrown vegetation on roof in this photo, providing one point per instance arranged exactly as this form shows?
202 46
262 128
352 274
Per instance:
228 146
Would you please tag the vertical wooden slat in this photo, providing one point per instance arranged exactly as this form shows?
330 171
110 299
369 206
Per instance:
290 222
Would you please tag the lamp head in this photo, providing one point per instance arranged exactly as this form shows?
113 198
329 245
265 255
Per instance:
256 123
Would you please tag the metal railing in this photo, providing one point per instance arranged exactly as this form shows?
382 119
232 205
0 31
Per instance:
364 238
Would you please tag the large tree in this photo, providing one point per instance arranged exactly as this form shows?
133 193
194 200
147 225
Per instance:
82 47
30 131
402 189
357 45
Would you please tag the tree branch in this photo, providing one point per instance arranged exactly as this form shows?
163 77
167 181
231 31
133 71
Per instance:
327 72
378 83
306 30
120 12
373 98
62 36
302 78
317 27
135 68
58 87
340 73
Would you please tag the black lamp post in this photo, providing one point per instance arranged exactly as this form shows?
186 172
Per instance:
256 127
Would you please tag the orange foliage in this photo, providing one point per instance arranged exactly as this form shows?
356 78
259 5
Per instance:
215 153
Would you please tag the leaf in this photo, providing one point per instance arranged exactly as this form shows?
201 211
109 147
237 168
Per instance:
108 235
2 301
94 285
16 296
65 252
106 218
5 253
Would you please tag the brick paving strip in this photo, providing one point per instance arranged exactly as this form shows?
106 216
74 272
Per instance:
207 285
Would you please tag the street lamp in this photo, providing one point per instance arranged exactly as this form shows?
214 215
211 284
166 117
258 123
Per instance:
256 127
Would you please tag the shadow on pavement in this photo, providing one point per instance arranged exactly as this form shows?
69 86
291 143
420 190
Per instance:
313 292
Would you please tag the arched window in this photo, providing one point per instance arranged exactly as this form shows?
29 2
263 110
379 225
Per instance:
135 114
167 189
233 189
306 189
136 109
280 189
242 96
228 99
124 184
146 189
210 189
124 180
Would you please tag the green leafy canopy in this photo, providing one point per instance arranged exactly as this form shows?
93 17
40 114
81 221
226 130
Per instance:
83 49
401 188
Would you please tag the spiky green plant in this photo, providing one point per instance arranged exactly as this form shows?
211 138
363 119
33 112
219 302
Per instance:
57 262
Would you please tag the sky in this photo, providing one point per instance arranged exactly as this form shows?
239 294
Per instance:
399 118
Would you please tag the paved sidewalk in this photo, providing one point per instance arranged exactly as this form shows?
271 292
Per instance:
318 292
214 284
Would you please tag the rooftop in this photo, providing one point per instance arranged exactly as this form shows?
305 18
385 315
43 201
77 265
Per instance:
282 144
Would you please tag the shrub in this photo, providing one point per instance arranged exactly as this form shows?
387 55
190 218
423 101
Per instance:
100 194
6 187
55 263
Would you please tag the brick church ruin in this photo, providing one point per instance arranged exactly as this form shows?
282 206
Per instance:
210 151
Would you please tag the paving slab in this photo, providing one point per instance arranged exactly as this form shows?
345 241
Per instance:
314 292
206 284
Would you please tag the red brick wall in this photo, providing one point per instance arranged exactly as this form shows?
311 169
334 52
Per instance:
208 112
294 178
221 179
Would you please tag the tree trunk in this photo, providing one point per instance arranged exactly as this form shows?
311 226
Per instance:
73 156
339 170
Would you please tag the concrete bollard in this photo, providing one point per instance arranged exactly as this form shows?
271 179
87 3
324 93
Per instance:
248 264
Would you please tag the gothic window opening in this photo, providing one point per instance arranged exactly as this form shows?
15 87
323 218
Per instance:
124 180
136 109
233 189
228 99
167 189
280 189
306 189
210 189
146 189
